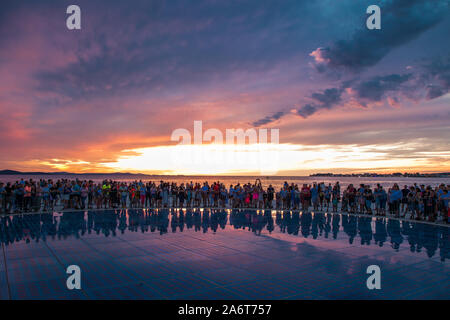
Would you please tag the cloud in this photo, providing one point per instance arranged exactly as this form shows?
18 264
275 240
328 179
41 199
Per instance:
437 73
268 119
156 49
401 22
430 80
324 100
375 89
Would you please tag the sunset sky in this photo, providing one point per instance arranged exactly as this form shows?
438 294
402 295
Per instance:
107 98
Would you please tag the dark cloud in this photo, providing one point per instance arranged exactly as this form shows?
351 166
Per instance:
437 74
371 90
324 100
268 119
401 22
375 89
159 47
328 97
307 110
434 92
429 81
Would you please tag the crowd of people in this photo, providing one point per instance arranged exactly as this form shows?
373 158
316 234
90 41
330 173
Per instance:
418 202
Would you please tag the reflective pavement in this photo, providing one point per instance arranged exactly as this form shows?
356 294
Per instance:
220 254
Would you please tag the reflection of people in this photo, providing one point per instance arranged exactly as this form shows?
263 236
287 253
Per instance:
315 226
214 221
336 221
305 221
349 225
444 244
393 229
35 227
189 219
197 219
269 219
431 240
380 232
174 221
365 230
205 220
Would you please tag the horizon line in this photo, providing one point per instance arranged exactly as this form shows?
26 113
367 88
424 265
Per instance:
17 172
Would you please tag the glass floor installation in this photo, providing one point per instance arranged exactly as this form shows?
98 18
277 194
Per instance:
220 254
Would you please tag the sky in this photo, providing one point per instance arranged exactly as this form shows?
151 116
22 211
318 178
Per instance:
108 97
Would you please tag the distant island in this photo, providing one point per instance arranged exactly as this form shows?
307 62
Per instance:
33 173
383 175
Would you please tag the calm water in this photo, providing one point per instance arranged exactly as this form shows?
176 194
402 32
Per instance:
275 181
221 254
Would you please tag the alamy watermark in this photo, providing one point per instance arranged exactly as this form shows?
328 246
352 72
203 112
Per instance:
248 149
374 20
73 22
374 280
74 280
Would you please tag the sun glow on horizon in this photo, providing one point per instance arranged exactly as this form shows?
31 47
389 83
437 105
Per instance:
269 159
